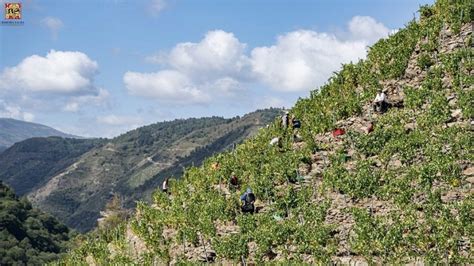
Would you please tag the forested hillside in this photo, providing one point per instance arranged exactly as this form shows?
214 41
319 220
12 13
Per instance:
399 191
74 179
28 164
27 235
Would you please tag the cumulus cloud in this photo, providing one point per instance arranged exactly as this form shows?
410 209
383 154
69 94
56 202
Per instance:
164 85
76 103
367 29
57 72
195 72
305 59
61 80
14 111
54 25
219 54
301 60
226 86
219 65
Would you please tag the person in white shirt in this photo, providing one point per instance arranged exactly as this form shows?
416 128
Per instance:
285 120
165 185
380 102
274 141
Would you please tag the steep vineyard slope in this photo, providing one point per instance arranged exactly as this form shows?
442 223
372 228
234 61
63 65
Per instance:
130 166
400 193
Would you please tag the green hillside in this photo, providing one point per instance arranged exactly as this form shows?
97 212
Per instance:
399 194
28 236
28 164
74 179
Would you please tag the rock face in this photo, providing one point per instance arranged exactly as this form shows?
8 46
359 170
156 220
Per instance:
457 113
468 171
136 245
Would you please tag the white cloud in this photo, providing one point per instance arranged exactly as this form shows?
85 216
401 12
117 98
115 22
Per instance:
115 120
58 72
367 29
196 72
166 85
14 111
302 60
156 6
59 81
219 54
226 86
219 65
76 103
54 25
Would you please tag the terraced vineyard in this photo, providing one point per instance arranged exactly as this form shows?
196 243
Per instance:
401 193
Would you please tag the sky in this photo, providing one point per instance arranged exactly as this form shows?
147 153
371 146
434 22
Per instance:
100 68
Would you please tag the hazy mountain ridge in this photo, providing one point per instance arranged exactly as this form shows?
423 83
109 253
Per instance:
12 131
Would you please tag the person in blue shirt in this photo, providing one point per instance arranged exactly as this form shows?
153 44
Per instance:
248 200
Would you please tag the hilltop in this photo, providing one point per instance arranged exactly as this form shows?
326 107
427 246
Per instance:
401 193
74 179
12 131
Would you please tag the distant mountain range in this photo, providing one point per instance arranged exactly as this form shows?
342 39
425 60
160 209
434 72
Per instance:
12 131
73 179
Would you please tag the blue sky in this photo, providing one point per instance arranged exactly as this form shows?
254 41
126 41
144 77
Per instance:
100 68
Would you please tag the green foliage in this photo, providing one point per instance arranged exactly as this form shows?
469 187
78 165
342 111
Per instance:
454 13
28 236
362 183
389 57
415 98
426 11
424 61
466 101
233 247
